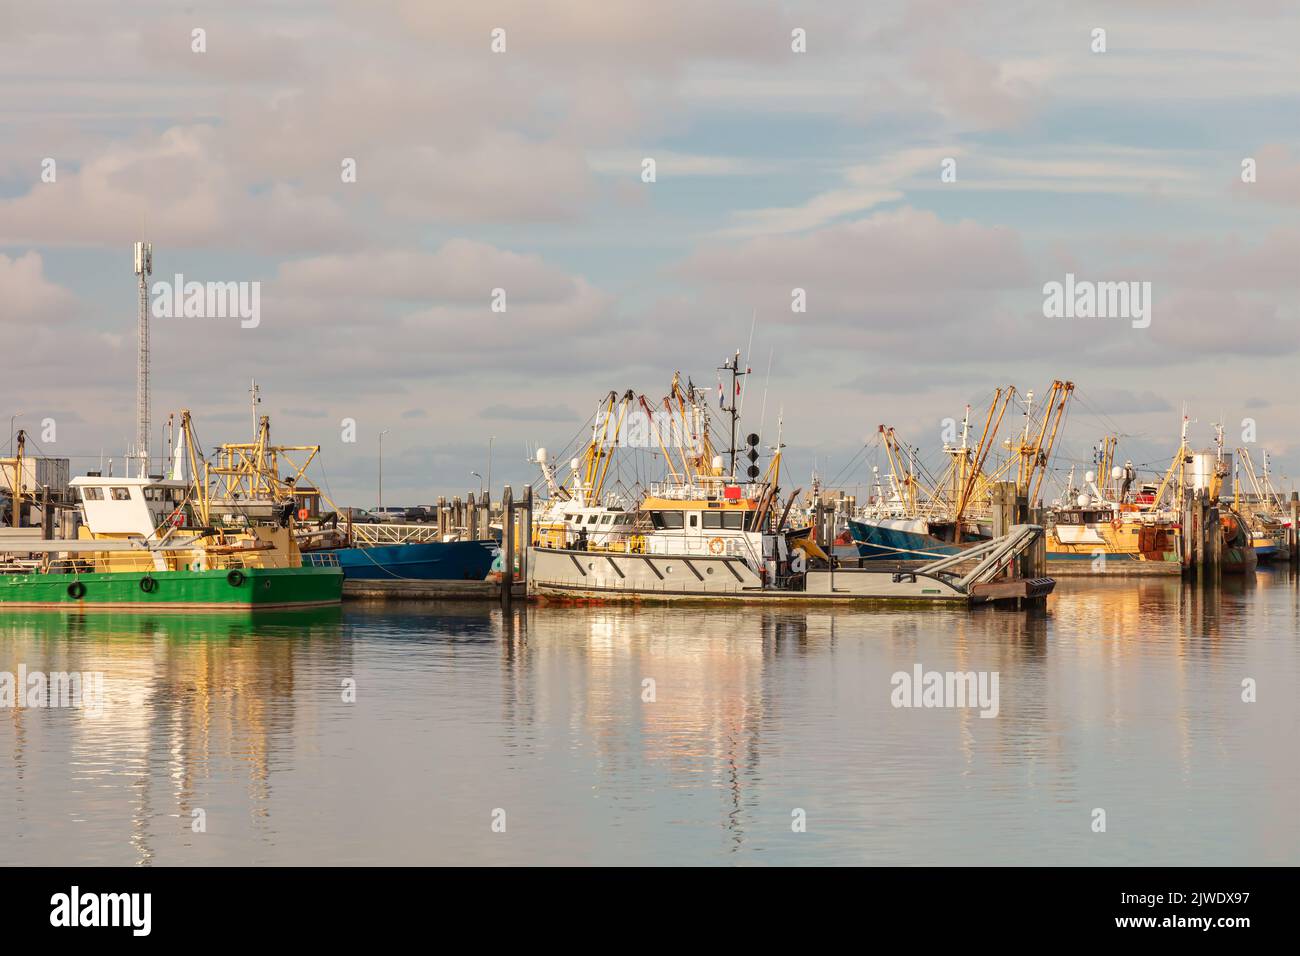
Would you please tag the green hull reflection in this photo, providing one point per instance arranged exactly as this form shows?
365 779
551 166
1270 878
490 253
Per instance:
177 628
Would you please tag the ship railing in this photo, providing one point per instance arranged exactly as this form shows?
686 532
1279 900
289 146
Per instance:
320 559
373 535
125 562
632 545
701 487
19 566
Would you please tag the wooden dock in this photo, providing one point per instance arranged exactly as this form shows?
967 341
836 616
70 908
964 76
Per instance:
1114 569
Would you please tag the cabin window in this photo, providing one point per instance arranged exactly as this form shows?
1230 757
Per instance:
92 494
606 519
712 520
592 519
155 494
695 521
733 520
568 517
120 494
670 520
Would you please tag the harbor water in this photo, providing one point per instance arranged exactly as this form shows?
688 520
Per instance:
463 734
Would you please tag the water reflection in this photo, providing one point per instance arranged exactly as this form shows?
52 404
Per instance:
664 735
181 693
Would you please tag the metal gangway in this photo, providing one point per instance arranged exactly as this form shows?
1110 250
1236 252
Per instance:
994 557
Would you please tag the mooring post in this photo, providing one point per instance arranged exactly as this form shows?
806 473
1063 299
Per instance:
1038 553
1214 544
1294 536
526 537
1004 505
1022 517
1201 509
507 545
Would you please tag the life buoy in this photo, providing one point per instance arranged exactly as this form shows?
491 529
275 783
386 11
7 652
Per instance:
235 578
716 546
177 518
76 590
148 585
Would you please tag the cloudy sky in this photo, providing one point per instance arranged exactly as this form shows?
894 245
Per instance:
522 170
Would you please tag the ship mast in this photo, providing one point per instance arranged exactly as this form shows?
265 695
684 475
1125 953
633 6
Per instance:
732 365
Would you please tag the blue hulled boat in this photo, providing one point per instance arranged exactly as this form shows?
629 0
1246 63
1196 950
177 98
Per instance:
903 539
426 561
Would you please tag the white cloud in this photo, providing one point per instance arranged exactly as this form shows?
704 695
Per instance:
31 300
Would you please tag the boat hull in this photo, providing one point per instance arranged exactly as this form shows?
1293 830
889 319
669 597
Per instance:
246 589
885 542
575 575
424 561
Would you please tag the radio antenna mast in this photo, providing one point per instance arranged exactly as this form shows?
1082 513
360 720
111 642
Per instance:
143 269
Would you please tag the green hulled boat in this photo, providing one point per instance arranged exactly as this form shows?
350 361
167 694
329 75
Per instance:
221 540
250 588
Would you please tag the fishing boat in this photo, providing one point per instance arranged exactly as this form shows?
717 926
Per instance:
581 507
1238 555
1111 520
258 481
1263 508
704 533
916 518
1205 476
1092 529
416 561
152 542
715 540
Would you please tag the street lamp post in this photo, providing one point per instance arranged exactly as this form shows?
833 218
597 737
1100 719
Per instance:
475 474
381 472
12 419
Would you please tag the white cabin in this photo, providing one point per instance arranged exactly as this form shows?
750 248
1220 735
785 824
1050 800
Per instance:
134 506
604 526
